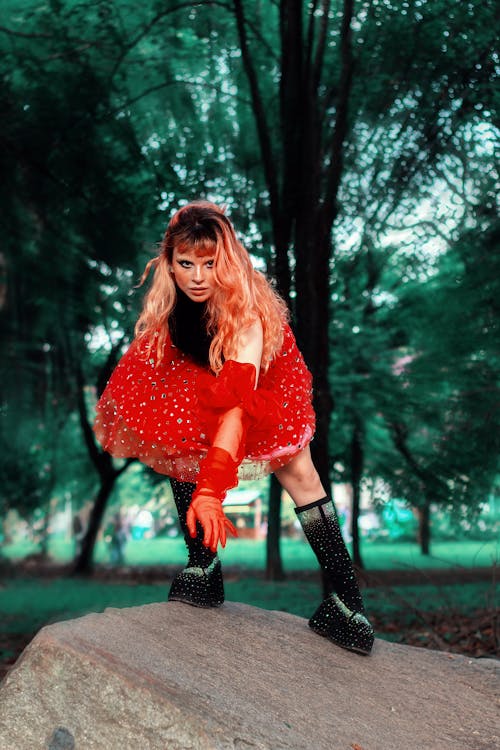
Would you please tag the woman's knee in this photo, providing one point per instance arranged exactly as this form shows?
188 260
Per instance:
303 475
299 471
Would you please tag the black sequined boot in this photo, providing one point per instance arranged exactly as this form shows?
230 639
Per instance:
200 583
341 616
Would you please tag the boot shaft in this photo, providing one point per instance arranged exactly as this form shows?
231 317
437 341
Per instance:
322 529
199 555
200 583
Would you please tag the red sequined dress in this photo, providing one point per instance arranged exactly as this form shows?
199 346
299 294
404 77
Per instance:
155 412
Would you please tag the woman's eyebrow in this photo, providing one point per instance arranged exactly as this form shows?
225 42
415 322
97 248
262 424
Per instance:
188 256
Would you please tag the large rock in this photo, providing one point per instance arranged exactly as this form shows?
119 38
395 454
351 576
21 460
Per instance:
170 676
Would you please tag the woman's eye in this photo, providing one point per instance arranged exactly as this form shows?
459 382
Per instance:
210 263
184 263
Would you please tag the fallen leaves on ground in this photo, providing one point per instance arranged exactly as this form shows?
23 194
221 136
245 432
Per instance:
471 635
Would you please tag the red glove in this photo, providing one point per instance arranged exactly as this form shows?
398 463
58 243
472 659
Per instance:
218 473
208 511
228 404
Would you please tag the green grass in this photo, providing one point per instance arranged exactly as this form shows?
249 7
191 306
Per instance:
296 553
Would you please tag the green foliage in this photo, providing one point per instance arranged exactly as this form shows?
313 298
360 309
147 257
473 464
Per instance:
451 377
24 472
114 113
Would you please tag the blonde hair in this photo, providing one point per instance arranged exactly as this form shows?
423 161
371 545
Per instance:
241 296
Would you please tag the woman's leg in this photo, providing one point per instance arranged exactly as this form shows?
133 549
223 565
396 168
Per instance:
300 479
340 616
200 583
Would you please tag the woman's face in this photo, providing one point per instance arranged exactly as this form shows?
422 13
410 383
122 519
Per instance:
194 274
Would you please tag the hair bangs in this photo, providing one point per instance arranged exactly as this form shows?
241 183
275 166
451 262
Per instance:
201 246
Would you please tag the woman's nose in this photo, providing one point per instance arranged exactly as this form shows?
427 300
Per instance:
198 273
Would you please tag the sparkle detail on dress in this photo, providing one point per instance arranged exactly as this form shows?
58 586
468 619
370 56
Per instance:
152 413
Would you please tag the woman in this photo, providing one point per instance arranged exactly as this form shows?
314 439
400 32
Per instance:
213 389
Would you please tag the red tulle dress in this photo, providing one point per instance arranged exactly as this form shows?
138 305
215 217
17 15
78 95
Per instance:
160 414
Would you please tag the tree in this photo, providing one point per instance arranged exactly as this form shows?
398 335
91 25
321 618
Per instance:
76 178
447 433
333 88
327 137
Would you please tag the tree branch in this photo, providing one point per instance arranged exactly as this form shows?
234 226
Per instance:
340 129
400 441
167 84
109 365
310 36
125 466
156 19
425 223
31 35
88 434
269 50
259 110
320 48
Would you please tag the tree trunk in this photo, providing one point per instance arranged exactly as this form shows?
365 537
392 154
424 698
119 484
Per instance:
428 480
424 528
274 566
303 170
357 460
103 464
44 534
312 316
84 564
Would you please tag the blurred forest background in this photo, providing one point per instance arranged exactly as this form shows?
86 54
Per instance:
353 144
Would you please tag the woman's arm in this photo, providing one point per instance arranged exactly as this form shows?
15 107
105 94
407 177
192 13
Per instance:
250 345
230 431
218 471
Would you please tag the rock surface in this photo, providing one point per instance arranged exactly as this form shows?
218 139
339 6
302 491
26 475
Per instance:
170 676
